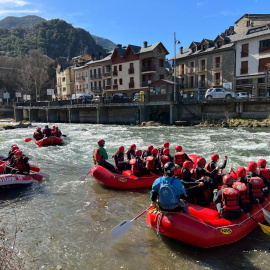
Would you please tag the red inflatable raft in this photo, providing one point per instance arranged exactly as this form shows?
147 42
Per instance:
52 140
7 180
126 180
203 227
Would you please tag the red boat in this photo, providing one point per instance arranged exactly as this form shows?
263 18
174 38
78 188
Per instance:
52 140
126 180
7 180
203 227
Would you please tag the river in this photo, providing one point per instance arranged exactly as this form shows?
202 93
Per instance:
65 223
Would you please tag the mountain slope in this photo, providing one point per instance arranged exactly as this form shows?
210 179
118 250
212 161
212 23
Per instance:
23 22
106 43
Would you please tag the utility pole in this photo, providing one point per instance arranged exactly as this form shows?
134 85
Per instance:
175 94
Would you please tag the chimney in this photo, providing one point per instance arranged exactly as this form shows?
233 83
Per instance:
181 50
119 45
145 44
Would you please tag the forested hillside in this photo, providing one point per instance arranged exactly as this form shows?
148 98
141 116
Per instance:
23 22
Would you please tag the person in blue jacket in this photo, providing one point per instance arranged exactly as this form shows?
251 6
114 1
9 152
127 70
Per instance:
167 191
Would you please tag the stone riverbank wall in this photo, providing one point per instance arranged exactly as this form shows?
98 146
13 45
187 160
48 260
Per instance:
135 113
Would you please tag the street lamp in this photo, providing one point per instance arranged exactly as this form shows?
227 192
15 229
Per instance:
174 64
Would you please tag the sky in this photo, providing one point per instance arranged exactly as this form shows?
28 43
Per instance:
133 22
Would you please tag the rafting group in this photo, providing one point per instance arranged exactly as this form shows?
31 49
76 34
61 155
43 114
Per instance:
189 186
48 136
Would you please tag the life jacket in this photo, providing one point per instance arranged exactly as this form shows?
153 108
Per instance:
194 173
118 158
38 135
230 199
210 167
179 158
164 159
243 190
257 186
58 133
166 195
134 165
97 156
150 163
265 173
20 164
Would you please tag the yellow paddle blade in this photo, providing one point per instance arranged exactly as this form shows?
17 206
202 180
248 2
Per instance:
265 229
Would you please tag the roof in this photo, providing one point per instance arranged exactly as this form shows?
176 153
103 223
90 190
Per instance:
252 16
162 82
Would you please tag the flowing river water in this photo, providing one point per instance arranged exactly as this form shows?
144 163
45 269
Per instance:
65 223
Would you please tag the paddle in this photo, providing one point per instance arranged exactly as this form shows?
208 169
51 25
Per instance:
45 175
265 229
36 176
28 140
82 178
266 215
125 226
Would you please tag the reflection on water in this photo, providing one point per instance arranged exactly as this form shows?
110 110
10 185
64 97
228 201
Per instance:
66 223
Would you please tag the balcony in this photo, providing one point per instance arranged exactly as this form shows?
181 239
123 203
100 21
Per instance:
263 68
191 70
115 73
115 86
145 83
107 87
107 74
148 68
244 71
264 49
131 85
244 54
80 78
202 68
131 71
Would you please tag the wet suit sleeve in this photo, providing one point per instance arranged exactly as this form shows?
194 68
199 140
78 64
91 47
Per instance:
217 197
155 189
223 164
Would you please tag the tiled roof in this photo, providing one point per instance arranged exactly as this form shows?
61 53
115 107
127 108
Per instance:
238 37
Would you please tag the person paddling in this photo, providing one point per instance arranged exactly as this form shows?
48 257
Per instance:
38 134
119 161
20 165
213 165
131 152
228 200
167 191
46 131
100 156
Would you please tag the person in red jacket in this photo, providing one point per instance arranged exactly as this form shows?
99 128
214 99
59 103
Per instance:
228 200
166 157
160 149
213 164
180 157
131 152
262 170
20 164
137 167
119 161
153 163
38 134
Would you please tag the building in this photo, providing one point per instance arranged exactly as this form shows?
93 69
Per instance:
237 59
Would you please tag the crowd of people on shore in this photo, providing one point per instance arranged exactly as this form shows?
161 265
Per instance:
46 132
182 180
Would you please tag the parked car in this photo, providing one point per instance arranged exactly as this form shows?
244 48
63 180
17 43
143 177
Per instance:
241 95
218 93
96 99
121 97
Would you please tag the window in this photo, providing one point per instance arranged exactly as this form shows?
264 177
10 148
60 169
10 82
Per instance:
161 62
264 64
264 46
64 89
217 62
244 67
120 67
193 49
63 79
120 81
115 81
204 47
244 52
219 44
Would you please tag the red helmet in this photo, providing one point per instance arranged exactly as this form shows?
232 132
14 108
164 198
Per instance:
166 144
188 165
154 151
56 127
138 153
201 162
166 151
101 142
215 157
133 146
38 128
121 148
150 147
53 127
228 179
14 147
18 152
262 162
241 172
178 148
252 166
